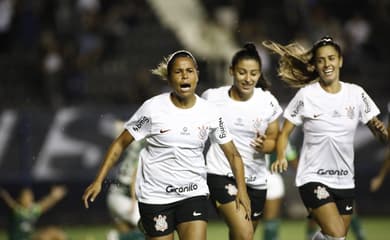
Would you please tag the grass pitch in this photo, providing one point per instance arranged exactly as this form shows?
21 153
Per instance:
375 229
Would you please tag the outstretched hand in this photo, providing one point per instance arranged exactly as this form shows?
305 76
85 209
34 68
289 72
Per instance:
279 166
58 192
91 193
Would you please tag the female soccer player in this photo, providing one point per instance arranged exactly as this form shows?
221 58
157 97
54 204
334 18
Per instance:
171 182
251 114
329 111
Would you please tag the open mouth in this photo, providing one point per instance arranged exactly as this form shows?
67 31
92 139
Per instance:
185 86
328 72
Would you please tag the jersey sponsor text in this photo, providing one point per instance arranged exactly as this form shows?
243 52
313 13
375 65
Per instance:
332 172
186 188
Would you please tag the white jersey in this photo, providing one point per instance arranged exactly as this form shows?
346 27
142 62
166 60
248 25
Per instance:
329 124
172 166
244 120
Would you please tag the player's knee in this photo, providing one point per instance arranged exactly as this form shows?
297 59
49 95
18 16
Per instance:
335 230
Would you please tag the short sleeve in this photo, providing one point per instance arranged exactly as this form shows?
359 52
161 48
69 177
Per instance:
220 133
205 94
368 108
295 109
276 109
140 124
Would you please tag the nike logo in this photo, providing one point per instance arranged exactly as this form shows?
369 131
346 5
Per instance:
348 208
164 130
256 214
195 214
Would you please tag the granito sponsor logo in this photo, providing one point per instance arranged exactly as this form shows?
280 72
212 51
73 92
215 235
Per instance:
186 188
297 108
140 123
332 172
222 128
367 108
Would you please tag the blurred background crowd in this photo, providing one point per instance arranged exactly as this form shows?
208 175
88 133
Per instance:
60 53
69 67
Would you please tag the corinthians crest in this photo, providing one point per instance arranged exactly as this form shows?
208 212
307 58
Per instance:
203 132
259 125
350 112
161 223
321 193
231 189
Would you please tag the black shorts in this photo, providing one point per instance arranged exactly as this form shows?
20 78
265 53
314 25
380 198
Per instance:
223 190
315 194
162 219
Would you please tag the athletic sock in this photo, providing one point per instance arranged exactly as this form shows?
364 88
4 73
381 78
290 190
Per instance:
357 229
271 229
327 237
318 236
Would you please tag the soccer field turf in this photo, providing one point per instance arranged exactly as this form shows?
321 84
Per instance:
375 228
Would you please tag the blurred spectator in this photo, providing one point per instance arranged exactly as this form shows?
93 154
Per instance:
52 68
322 23
90 33
27 26
90 41
6 14
357 33
83 55
26 211
357 30
88 5
297 13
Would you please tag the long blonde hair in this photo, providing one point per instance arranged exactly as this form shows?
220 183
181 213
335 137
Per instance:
162 69
295 63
